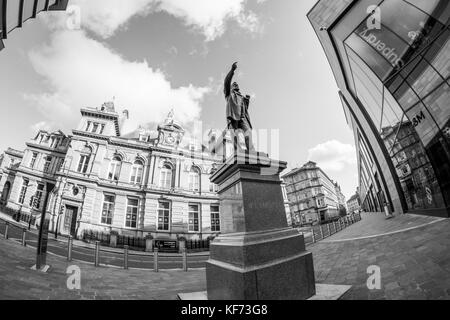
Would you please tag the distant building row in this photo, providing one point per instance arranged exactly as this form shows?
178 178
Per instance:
313 196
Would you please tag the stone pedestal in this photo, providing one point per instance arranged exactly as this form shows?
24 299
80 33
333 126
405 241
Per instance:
257 256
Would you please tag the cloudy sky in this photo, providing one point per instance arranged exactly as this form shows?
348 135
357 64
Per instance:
154 55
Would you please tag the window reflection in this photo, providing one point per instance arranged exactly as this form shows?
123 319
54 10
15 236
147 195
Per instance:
404 90
439 54
439 9
438 104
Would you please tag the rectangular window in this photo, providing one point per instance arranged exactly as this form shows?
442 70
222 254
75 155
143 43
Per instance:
136 174
215 220
48 161
38 196
213 187
23 191
165 178
132 213
102 128
194 210
108 209
95 127
194 181
163 215
60 164
88 126
33 159
83 164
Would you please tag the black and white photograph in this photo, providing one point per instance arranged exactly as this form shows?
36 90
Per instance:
250 151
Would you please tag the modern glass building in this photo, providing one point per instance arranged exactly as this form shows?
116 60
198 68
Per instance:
391 61
13 13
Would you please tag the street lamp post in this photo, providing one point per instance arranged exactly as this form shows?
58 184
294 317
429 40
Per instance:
41 255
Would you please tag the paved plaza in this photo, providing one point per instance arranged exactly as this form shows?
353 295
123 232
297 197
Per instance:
413 258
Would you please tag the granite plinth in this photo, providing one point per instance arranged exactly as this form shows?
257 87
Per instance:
323 292
257 256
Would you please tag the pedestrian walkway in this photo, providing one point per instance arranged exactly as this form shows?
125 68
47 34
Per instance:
414 264
17 281
374 224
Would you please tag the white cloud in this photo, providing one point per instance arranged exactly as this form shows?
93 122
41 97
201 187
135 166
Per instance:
333 155
92 73
210 16
42 125
83 72
106 17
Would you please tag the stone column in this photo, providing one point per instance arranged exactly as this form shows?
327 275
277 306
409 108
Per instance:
256 256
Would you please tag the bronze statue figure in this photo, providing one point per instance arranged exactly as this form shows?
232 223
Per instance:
238 118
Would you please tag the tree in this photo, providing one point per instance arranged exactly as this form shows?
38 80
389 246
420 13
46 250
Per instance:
342 210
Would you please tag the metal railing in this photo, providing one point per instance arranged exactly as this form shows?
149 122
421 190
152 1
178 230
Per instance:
18 215
322 231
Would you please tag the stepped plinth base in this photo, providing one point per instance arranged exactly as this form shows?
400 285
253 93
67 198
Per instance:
257 256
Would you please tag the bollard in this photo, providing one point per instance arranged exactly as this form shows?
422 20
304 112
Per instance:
329 230
69 249
336 226
6 229
185 265
155 260
24 237
97 251
125 257
321 232
312 235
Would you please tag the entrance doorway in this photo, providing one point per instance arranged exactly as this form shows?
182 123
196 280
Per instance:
70 220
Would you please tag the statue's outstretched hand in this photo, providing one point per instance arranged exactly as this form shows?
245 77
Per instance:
234 66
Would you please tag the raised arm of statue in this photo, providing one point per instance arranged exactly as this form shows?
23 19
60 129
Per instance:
228 78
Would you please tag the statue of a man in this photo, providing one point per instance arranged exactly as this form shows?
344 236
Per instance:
238 118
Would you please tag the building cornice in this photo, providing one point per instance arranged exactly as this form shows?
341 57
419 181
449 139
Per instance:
14 152
89 135
41 147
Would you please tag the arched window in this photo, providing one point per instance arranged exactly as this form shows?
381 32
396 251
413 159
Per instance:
194 179
85 157
114 168
136 172
165 177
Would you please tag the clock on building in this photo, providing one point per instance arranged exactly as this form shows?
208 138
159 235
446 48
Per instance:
170 139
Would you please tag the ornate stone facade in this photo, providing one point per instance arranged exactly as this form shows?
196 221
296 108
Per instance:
155 182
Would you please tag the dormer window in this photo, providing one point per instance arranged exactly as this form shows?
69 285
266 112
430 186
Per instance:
33 159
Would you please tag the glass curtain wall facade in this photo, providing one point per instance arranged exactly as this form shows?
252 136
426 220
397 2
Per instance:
13 13
398 72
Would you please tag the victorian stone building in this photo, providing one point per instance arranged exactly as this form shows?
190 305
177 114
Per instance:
312 195
154 182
